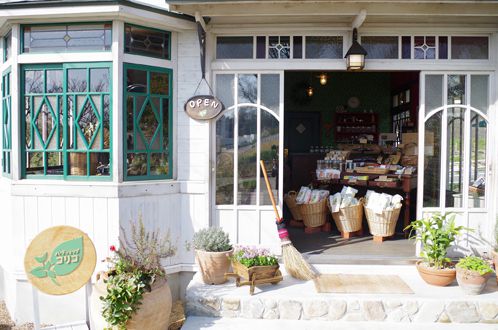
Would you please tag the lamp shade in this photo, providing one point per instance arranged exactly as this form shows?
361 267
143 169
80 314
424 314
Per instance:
355 57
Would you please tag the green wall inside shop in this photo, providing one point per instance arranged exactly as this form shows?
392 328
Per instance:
373 89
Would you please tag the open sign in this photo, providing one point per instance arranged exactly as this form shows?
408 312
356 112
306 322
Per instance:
203 107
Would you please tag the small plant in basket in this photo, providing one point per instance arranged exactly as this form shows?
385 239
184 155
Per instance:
135 284
212 250
436 234
252 256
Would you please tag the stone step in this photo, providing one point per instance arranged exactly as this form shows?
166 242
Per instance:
292 299
201 323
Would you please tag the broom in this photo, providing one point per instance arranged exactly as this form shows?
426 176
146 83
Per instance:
294 263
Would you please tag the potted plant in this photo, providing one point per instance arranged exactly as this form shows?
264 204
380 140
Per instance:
134 293
494 250
255 266
472 274
212 250
436 235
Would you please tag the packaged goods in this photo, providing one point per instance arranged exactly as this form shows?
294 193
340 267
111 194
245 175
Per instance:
335 202
381 202
308 196
300 199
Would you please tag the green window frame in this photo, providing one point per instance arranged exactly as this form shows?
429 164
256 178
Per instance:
67 125
128 49
6 123
147 124
70 28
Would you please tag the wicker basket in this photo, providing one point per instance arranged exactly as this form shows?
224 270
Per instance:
315 214
382 225
349 219
290 200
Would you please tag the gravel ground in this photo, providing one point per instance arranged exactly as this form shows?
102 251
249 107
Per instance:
6 322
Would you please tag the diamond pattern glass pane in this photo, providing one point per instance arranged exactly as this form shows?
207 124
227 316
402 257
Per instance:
89 121
148 122
147 42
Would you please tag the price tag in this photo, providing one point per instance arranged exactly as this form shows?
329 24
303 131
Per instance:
352 179
383 178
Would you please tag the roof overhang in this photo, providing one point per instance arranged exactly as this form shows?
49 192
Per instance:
437 12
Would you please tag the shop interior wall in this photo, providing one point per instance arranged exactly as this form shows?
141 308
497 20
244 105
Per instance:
373 89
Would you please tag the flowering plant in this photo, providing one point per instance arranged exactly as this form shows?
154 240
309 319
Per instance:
250 256
134 268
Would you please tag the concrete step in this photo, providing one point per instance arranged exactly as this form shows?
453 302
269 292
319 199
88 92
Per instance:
200 323
292 299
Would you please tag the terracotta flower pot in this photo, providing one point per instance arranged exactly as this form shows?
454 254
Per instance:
470 281
433 276
213 265
495 261
153 313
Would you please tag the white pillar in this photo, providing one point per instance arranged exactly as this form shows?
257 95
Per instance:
16 105
117 100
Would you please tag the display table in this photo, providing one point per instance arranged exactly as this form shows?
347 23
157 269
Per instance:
404 187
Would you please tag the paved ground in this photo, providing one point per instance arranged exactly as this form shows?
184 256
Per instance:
6 322
199 323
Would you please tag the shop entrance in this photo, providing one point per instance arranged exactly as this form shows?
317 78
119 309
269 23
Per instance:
337 121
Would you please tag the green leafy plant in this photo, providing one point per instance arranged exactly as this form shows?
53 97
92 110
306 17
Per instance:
436 235
475 264
133 270
212 240
251 256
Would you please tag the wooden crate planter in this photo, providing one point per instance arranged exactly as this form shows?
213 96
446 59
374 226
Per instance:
255 275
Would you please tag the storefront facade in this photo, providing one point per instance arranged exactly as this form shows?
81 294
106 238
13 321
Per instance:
104 137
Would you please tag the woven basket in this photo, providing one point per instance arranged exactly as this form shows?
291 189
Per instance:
290 200
349 219
314 215
384 224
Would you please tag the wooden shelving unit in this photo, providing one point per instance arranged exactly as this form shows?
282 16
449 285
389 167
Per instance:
349 127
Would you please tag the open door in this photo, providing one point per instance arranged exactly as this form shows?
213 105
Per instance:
455 140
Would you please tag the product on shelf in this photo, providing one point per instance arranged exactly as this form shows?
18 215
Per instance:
382 202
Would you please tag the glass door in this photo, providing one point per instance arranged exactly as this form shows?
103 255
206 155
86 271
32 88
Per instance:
249 130
454 145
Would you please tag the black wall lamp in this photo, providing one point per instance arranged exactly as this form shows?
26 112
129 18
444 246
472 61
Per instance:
355 57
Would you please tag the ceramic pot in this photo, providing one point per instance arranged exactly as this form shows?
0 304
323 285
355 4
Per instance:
495 261
153 313
438 277
213 265
471 282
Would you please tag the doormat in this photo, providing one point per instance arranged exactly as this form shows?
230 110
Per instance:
349 283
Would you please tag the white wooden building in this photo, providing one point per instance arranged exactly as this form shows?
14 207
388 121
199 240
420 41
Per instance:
104 138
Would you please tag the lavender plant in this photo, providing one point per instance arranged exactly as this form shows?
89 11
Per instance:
253 256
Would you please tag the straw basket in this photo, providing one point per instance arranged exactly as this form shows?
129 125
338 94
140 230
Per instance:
290 200
315 214
382 225
348 219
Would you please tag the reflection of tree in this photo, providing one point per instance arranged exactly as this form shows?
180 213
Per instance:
248 88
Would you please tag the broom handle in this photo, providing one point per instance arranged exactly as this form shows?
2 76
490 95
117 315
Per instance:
270 192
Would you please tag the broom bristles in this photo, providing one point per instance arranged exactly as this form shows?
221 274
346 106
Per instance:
294 263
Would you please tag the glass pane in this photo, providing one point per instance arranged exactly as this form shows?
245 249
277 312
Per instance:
269 154
432 160
7 41
298 47
224 158
455 161
456 89
64 38
136 81
54 81
100 163
323 47
424 47
129 123
479 89
147 42
477 175
380 47
270 92
247 156
260 47
27 115
443 48
140 144
136 164
33 82
148 122
107 125
166 121
279 47
77 80
158 164
247 88
55 163
34 163
475 48
78 163
234 47
99 80
225 89
159 83
88 122
45 122
433 92
406 47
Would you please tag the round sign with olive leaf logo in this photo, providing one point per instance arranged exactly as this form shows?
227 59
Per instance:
60 260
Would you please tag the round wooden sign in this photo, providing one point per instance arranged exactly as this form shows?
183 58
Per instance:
60 260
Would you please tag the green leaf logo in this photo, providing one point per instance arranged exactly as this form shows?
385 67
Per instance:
67 256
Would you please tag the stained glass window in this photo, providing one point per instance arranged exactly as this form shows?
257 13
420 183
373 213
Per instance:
278 47
144 41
